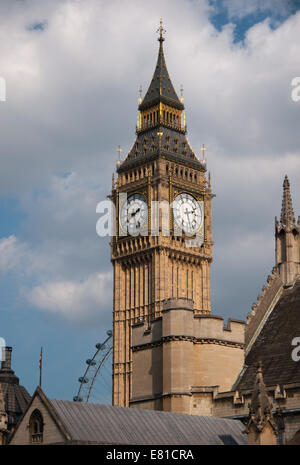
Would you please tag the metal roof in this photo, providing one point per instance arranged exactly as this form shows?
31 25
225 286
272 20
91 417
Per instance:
273 346
173 145
105 424
161 87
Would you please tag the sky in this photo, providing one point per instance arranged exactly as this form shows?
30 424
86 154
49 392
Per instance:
72 70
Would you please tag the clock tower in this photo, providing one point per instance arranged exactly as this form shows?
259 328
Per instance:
162 248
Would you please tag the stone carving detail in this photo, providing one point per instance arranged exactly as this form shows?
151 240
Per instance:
260 297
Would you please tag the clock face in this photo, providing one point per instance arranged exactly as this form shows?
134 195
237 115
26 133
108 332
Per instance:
134 214
187 213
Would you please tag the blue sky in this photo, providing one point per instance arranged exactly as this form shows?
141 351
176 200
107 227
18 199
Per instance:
245 14
73 70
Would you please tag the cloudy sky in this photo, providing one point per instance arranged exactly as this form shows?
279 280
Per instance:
72 70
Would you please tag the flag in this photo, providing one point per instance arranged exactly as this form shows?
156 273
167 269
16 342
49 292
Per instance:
40 365
41 358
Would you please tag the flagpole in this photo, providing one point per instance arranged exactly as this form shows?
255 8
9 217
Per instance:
40 365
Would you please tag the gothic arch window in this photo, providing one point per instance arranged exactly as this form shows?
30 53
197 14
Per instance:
36 427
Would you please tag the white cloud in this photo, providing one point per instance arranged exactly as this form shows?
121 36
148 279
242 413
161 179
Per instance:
72 98
76 301
11 253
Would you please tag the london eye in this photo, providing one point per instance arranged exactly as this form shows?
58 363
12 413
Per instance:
96 383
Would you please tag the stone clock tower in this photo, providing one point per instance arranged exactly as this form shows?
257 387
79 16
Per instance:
158 252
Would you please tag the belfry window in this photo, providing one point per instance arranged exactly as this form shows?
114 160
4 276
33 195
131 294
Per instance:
36 427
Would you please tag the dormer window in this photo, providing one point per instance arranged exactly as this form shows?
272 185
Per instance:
36 427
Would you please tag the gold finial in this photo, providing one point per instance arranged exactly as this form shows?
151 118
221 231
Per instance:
161 31
181 94
140 94
119 150
203 150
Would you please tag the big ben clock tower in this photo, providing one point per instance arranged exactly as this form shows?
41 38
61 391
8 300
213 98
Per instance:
166 258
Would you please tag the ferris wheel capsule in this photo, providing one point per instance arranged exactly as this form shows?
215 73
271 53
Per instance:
90 362
96 367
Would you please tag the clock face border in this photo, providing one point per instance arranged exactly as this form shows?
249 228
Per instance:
179 231
144 229
177 226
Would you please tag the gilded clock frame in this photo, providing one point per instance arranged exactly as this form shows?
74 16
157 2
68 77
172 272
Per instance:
177 189
145 192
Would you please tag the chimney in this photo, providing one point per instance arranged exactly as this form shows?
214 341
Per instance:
6 358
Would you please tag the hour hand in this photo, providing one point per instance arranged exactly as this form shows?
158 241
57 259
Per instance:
134 213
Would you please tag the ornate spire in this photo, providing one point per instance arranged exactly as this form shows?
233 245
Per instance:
161 88
161 31
287 213
260 407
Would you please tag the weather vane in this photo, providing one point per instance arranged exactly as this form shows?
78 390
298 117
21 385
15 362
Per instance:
161 30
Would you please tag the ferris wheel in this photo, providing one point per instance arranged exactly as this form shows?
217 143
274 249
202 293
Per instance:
96 383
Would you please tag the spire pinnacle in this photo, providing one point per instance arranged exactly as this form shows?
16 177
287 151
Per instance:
287 212
161 88
260 408
161 31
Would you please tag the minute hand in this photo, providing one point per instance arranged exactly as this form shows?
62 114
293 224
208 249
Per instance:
188 213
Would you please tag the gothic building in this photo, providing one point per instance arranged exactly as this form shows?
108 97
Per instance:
170 352
151 261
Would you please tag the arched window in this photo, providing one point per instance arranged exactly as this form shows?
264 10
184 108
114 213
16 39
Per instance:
36 427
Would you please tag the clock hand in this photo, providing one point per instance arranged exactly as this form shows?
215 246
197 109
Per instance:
187 213
134 213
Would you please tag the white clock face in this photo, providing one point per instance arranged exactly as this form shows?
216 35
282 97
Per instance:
187 213
134 214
